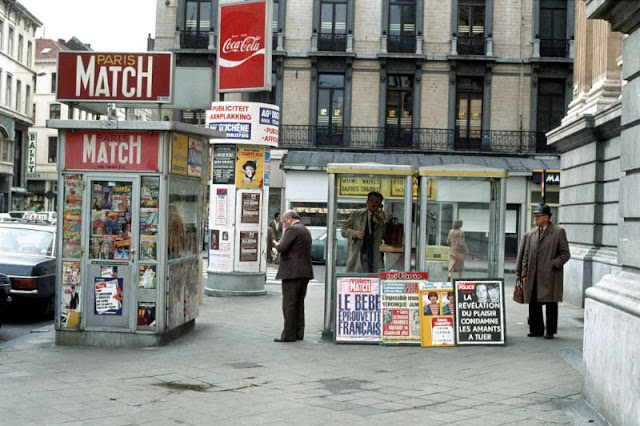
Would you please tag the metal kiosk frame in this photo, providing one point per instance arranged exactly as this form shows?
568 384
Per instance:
429 176
336 171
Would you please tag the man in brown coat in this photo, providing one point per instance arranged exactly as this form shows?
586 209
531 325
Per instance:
546 250
295 270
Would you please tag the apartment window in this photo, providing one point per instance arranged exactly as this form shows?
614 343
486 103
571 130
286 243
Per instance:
194 116
27 107
550 109
471 27
333 25
10 41
54 111
5 147
54 82
20 47
275 24
29 54
52 153
469 93
553 27
197 24
402 26
8 91
399 111
330 109
18 96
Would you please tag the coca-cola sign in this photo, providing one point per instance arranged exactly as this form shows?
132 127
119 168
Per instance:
244 49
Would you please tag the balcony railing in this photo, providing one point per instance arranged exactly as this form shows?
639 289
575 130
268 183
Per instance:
554 47
470 45
401 44
194 40
306 137
329 42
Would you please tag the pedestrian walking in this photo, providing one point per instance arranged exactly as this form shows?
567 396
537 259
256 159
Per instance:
545 251
274 232
457 249
295 270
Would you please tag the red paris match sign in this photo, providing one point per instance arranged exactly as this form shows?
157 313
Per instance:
111 150
115 77
244 50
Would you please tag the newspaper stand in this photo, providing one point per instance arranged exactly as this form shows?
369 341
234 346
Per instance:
477 196
130 232
349 185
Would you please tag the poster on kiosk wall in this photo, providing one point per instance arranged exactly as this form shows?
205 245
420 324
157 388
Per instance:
400 306
480 316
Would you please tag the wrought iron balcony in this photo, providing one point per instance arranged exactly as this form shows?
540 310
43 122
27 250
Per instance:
470 45
554 47
329 42
401 44
305 137
194 40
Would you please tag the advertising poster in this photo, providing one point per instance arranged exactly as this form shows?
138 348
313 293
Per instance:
479 314
248 246
72 216
358 309
250 167
224 164
146 315
220 197
108 296
194 158
179 154
436 314
71 295
250 207
147 276
400 306
175 300
221 258
246 123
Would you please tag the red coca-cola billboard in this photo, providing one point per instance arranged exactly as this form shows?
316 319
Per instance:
244 47
115 77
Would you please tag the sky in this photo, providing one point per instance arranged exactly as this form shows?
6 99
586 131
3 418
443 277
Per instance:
108 26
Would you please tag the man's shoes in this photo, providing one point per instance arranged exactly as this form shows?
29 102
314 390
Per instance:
300 338
535 335
279 340
548 336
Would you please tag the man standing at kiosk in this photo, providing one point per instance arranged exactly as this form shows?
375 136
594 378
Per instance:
364 231
295 270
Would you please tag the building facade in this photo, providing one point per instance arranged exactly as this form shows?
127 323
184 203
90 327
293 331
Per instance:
417 82
17 85
600 160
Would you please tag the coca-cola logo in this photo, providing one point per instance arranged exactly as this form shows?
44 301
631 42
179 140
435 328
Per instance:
234 44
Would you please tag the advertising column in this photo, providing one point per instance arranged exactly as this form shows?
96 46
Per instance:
239 194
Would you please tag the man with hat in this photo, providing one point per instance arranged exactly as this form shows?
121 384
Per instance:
545 251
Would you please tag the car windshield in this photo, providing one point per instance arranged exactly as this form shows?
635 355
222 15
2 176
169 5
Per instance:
28 241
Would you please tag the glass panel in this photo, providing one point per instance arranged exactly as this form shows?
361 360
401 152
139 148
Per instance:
341 19
274 18
191 16
337 108
110 220
395 22
475 122
461 120
409 15
324 97
478 22
326 18
149 194
205 14
464 25
184 216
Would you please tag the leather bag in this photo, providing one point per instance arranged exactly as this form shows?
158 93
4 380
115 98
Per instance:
518 292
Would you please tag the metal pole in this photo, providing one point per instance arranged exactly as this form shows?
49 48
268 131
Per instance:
421 262
330 274
408 206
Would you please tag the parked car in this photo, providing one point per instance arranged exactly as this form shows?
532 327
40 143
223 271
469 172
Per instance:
318 242
5 287
27 257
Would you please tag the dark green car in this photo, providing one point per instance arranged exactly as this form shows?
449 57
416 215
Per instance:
318 242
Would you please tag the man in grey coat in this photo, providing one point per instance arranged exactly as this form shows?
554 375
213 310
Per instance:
364 231
545 251
295 271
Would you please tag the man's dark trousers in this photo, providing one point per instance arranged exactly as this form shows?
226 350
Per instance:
293 294
536 322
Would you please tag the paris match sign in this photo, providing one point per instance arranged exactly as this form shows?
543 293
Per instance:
115 77
244 47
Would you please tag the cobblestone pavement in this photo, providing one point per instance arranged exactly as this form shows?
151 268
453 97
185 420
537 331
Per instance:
229 371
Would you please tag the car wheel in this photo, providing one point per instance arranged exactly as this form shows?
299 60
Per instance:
47 308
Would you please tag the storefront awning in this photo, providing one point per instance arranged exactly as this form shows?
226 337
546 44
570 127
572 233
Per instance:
514 165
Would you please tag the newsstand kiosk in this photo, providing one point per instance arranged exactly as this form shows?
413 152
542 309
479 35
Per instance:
131 230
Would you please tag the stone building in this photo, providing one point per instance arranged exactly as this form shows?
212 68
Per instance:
417 82
599 202
17 85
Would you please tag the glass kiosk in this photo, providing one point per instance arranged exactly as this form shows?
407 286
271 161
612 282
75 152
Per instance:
348 186
130 231
475 198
